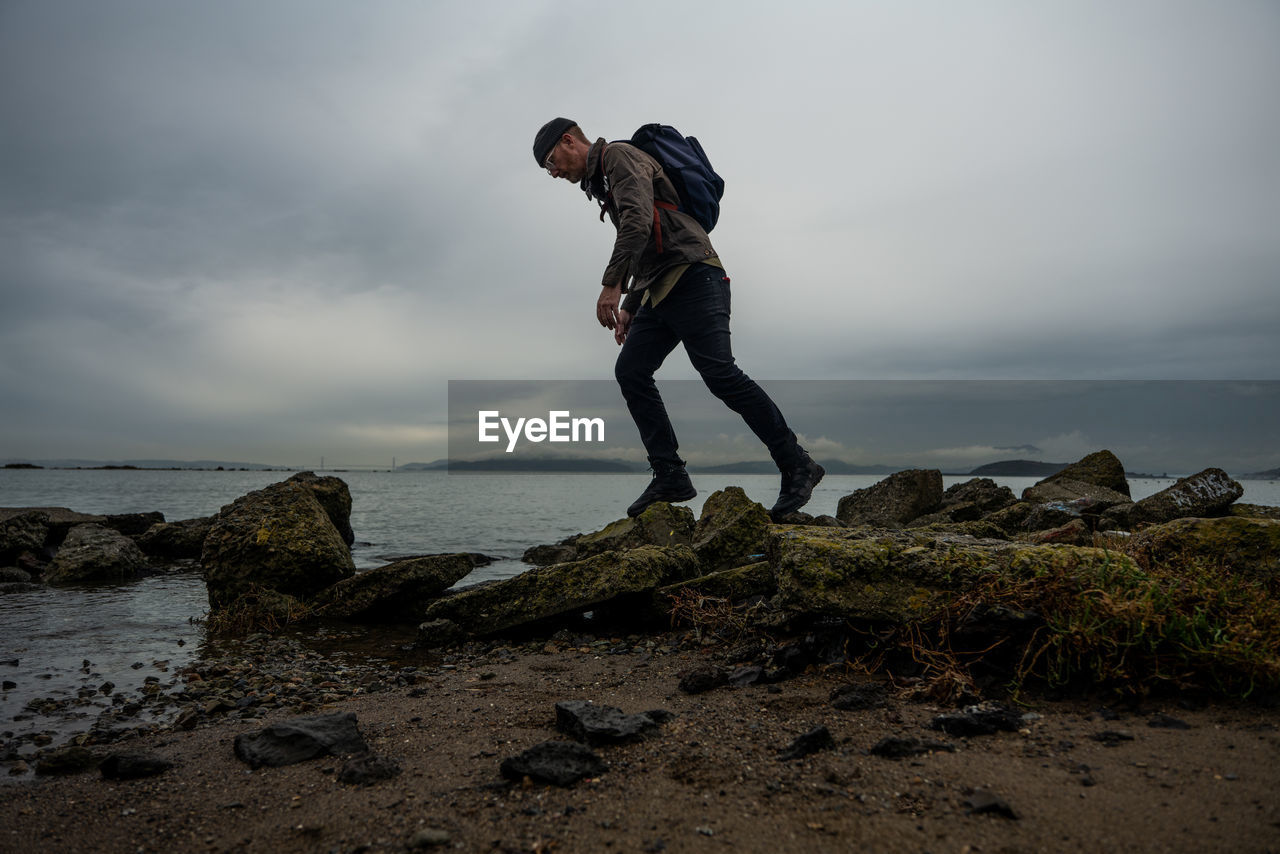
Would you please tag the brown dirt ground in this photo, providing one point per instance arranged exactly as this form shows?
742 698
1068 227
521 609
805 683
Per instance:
709 780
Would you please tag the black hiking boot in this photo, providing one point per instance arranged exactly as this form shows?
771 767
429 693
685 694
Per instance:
798 481
670 483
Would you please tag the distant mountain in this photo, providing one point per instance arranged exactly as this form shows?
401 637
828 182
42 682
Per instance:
1018 468
767 467
548 464
145 464
1269 474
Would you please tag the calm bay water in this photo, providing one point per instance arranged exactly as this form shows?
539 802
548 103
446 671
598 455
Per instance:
54 642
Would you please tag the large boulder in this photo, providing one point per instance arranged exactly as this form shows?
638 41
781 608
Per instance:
334 496
95 553
845 573
896 578
399 591
968 502
563 589
741 582
278 538
731 531
1206 493
23 533
894 501
1239 545
661 524
176 540
1098 476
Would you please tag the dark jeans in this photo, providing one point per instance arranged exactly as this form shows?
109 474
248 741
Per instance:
695 313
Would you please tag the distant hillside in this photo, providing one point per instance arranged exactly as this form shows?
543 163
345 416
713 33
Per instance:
567 464
1269 474
1018 468
767 467
142 464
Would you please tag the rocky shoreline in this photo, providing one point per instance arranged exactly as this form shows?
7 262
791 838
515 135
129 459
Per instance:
915 615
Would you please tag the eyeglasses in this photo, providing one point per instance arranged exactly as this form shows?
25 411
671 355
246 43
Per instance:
548 164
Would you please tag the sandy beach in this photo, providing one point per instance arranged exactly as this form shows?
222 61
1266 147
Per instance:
1078 775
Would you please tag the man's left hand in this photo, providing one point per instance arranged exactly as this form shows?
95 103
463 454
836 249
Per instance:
607 306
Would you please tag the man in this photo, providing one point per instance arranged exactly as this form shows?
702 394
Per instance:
678 293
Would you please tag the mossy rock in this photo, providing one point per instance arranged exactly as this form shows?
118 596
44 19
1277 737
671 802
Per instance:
883 578
564 589
399 591
741 582
660 524
731 529
277 538
1234 544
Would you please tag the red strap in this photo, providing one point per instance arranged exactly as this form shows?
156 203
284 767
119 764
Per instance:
657 223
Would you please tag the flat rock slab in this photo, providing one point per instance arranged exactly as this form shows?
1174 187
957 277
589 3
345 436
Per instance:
560 763
598 725
300 739
977 720
132 766
816 739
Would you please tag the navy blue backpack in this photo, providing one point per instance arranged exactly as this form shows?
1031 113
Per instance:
686 164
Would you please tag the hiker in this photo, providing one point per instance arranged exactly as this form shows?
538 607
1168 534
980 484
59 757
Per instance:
678 293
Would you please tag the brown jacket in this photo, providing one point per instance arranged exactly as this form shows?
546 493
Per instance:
640 199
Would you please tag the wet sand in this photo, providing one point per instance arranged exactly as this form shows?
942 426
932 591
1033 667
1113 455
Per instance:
710 779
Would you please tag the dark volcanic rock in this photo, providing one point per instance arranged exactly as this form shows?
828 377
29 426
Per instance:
94 553
598 725
368 769
397 591
181 539
983 802
818 738
132 766
300 739
67 760
969 501
856 697
699 680
894 501
561 763
278 538
24 531
1101 468
1207 493
896 747
977 720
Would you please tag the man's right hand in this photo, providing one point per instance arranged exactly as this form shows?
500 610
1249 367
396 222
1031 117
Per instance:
624 326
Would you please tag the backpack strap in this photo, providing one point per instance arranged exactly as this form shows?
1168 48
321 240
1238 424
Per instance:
657 221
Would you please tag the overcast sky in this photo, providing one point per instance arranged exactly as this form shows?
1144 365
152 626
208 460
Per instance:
270 231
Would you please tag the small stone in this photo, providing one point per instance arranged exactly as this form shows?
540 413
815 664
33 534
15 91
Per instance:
561 763
699 680
430 837
982 802
816 739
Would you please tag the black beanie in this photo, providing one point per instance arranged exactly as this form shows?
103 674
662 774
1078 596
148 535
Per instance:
547 138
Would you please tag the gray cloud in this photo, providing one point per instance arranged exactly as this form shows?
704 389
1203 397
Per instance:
277 230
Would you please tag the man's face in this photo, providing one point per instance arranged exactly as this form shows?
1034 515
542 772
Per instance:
568 159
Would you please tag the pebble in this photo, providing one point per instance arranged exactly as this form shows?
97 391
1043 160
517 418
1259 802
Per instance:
430 837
